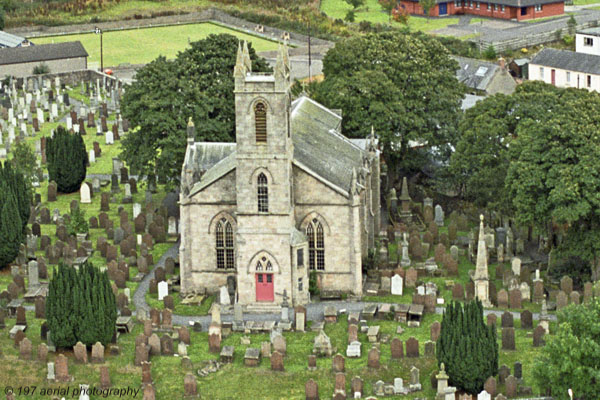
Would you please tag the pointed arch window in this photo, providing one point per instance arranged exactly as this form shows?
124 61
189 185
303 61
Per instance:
260 122
316 245
224 244
263 193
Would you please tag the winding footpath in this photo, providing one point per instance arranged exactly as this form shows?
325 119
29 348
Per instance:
314 311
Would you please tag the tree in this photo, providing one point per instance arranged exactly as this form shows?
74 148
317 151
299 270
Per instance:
572 25
388 6
67 160
480 161
198 83
385 81
467 346
25 161
77 223
427 5
18 189
11 227
553 175
2 17
571 356
80 306
355 3
41 69
401 15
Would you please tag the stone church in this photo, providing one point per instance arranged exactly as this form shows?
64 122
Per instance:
290 196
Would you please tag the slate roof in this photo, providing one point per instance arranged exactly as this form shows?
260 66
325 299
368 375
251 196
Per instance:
568 60
42 52
318 147
10 40
509 3
590 31
474 73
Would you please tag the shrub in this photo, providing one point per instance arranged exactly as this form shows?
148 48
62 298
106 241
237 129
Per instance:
41 69
67 160
490 52
313 287
77 223
467 346
80 306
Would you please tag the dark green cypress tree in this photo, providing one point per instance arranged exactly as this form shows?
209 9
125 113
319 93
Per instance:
11 227
67 160
467 346
61 306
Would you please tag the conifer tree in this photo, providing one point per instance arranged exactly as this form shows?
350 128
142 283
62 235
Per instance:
467 346
11 227
67 160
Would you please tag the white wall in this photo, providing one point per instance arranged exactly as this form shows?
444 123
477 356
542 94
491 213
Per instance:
580 47
576 79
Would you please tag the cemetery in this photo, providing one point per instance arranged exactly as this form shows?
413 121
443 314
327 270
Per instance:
150 249
383 344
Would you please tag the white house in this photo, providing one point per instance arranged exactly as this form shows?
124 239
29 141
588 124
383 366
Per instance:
588 41
563 68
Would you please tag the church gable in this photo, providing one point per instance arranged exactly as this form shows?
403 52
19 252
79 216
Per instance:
219 190
309 189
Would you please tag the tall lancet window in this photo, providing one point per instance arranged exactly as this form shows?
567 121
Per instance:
316 245
263 193
260 122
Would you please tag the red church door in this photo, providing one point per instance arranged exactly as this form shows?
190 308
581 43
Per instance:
264 287
553 76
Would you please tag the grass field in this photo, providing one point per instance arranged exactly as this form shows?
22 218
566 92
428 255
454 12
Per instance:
373 12
140 46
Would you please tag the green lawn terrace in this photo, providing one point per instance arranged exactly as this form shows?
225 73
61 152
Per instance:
140 46
374 13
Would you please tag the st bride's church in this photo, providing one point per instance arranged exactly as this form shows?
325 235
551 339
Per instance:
290 196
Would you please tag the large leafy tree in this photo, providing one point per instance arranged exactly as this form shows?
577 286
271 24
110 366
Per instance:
571 357
198 83
67 160
554 176
467 346
403 86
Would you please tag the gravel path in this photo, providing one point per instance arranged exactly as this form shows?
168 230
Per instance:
314 311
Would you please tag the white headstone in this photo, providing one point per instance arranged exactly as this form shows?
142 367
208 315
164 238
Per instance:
484 396
397 285
182 349
516 266
85 194
127 293
84 392
54 111
69 123
224 296
163 290
398 386
353 349
51 377
33 274
137 209
439 215
92 156
110 139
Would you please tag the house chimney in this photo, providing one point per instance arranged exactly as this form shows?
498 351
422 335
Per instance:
502 62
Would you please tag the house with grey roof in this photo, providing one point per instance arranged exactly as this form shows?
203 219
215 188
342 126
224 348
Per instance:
10 40
59 57
588 41
484 78
291 196
565 68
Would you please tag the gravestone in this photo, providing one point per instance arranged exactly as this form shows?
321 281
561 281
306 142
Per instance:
566 285
561 300
52 189
508 339
507 320
338 363
397 348
85 193
277 361
511 386
515 299
163 290
538 336
490 386
526 320
412 347
373 358
435 330
397 285
97 353
62 369
190 385
502 298
311 390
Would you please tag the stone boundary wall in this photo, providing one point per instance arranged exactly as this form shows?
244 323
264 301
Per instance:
209 15
526 40
71 78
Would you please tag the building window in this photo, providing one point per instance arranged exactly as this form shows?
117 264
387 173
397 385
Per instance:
260 122
316 245
538 7
456 3
489 6
542 72
263 193
589 81
264 265
502 8
470 4
568 77
300 285
588 41
225 250
495 7
300 258
477 5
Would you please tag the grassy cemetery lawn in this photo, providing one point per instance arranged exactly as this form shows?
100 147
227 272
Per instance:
373 12
140 46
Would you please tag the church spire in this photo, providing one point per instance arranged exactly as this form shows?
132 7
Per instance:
282 66
239 70
246 57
